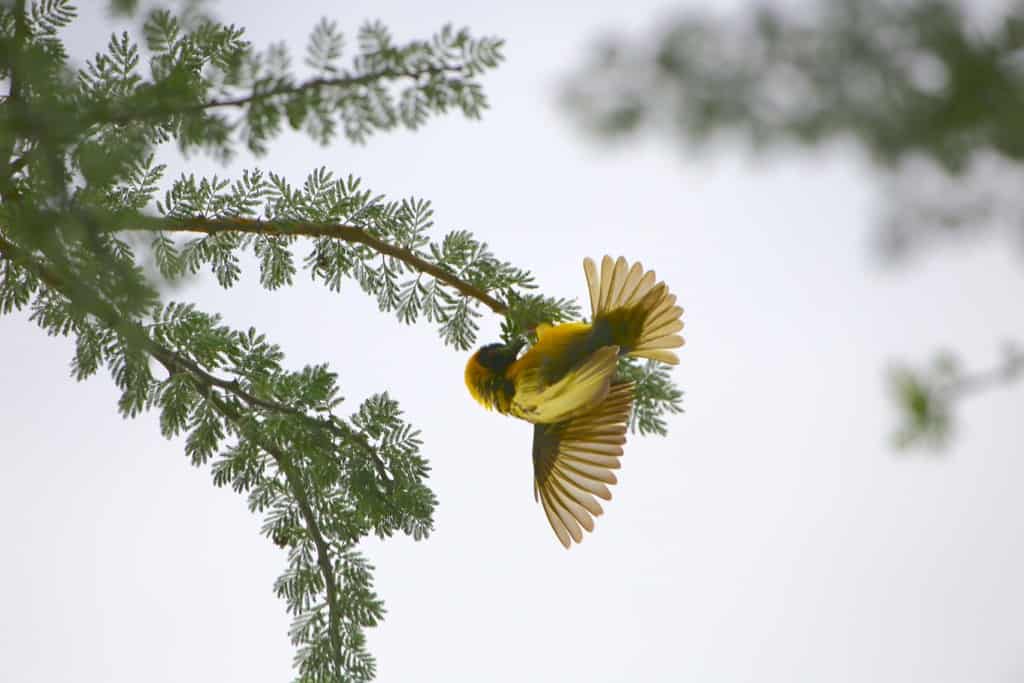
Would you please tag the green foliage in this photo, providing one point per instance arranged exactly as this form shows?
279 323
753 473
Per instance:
79 170
320 481
327 207
526 311
655 395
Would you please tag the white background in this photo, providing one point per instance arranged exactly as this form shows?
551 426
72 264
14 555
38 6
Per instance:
773 536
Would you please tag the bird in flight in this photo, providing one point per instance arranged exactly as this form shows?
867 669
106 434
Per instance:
566 386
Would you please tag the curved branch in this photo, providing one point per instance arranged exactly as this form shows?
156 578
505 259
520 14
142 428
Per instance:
175 362
294 480
205 382
340 231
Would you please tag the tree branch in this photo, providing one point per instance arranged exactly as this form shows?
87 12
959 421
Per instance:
341 231
169 358
176 364
294 480
1004 373
105 115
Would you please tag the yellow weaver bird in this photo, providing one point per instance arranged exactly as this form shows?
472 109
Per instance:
566 385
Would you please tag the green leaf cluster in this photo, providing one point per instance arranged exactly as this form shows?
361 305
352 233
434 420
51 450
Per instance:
656 396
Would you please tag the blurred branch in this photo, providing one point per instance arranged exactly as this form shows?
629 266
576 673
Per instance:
903 78
1006 372
925 205
908 81
927 398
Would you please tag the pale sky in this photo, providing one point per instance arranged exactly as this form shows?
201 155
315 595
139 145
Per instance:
772 536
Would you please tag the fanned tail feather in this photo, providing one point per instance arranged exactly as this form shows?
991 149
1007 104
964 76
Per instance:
643 309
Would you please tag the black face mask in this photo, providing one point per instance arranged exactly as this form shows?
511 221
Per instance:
497 357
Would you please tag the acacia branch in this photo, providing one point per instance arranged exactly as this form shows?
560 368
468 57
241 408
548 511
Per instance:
340 231
169 358
108 115
294 481
206 383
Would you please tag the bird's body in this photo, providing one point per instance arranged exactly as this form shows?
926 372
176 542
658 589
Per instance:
566 385
558 355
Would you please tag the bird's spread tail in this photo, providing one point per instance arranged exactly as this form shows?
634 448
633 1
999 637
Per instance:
640 312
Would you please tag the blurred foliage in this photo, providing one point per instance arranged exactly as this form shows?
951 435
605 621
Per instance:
123 6
925 397
903 78
931 90
924 400
916 83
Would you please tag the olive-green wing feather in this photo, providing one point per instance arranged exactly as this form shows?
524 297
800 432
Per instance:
573 463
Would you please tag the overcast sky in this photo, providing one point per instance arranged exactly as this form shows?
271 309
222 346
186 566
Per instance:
772 536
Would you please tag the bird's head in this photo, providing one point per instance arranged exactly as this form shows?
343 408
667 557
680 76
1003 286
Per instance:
486 376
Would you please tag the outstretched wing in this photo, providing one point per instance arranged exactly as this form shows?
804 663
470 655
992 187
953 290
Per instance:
573 463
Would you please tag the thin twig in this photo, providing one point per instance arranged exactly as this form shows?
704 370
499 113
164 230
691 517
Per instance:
101 116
